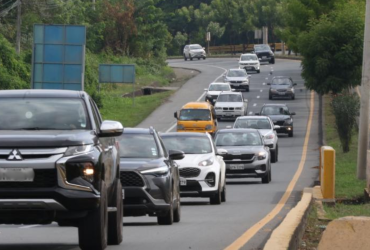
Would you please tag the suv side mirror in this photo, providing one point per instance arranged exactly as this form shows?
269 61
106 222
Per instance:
110 129
257 113
175 115
293 113
176 154
221 151
276 127
232 90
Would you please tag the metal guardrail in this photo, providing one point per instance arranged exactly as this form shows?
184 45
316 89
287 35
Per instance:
241 48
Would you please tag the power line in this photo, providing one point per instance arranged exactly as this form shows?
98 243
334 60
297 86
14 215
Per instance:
5 12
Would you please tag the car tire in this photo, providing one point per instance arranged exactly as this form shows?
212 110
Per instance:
167 219
290 134
293 97
267 178
198 58
216 198
258 71
185 58
270 97
277 153
92 229
272 61
204 58
247 89
218 119
177 211
191 59
223 194
273 156
115 219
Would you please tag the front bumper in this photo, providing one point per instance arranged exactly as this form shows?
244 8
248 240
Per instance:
285 129
237 86
255 169
265 58
281 94
250 67
229 114
198 55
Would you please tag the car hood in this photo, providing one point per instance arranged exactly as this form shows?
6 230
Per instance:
45 138
229 104
265 131
237 150
243 79
213 92
140 163
281 86
192 160
279 117
196 50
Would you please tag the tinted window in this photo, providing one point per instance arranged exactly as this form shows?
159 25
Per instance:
238 139
219 87
275 110
237 73
195 47
43 114
188 144
138 146
229 98
253 123
249 58
261 47
195 115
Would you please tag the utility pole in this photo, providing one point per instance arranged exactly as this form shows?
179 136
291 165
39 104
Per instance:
363 172
19 24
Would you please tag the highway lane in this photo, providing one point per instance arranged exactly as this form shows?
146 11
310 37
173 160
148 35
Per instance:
248 201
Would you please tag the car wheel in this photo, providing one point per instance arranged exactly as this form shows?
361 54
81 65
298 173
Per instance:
293 97
198 58
267 178
204 58
218 119
216 199
223 194
272 61
185 58
191 59
290 134
273 156
258 71
270 97
177 212
277 153
92 229
168 218
115 219
247 89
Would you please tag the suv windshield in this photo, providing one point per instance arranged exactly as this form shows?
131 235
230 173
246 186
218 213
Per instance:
237 73
253 123
219 87
195 115
188 144
261 47
238 139
275 110
43 114
137 146
281 81
229 98
249 58
195 47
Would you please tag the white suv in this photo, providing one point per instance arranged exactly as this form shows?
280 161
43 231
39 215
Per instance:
230 105
249 62
194 51
202 170
266 128
215 89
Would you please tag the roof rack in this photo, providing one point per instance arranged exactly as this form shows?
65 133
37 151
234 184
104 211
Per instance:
151 130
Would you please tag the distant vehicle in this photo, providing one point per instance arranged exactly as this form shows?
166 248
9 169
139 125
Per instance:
214 90
202 171
149 176
264 53
266 128
280 115
281 86
60 162
249 62
238 79
246 156
230 105
197 117
194 51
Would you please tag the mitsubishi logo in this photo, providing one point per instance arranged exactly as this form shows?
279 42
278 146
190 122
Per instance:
15 155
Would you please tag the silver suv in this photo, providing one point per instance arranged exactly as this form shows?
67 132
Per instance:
266 128
230 105
194 51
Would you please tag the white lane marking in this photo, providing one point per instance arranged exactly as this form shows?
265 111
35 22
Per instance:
261 90
225 70
255 104
258 96
30 226
251 113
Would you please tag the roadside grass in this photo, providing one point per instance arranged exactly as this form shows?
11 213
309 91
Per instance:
347 186
342 210
122 109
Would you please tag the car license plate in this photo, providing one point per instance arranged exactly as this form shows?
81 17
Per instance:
235 84
16 174
249 68
236 166
182 182
264 57
281 93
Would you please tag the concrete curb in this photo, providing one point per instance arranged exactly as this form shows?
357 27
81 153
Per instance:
289 233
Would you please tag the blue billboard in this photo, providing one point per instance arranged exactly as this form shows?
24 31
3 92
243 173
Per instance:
58 59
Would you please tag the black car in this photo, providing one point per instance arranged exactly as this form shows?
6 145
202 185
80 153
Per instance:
59 162
149 176
264 53
280 116
281 86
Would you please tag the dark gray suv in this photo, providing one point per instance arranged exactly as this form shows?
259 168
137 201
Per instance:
149 176
281 86
59 162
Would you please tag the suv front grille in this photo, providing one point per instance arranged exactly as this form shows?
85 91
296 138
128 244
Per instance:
189 172
236 81
44 178
131 179
280 123
229 157
228 108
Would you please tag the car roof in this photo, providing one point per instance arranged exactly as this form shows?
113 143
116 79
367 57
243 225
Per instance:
230 93
281 77
197 105
237 69
275 104
23 93
183 134
248 54
194 44
219 83
252 117
237 130
138 130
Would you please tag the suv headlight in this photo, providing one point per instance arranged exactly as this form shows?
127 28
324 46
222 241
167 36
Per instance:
269 137
289 121
76 150
239 108
205 163
218 108
156 171
261 155
208 127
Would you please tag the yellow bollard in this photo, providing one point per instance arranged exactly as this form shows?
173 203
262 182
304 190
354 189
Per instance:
327 172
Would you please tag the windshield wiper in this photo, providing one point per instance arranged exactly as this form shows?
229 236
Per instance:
36 128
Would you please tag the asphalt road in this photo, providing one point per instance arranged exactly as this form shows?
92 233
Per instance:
252 209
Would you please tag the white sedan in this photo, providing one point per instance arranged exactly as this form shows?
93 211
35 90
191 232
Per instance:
202 171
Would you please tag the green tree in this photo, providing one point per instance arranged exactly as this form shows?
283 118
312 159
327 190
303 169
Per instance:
216 30
332 50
